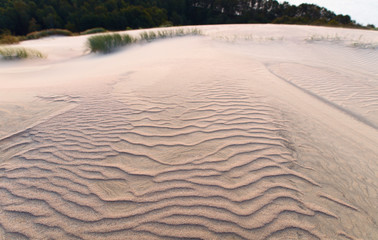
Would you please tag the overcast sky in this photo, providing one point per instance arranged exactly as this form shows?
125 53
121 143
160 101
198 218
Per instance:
362 11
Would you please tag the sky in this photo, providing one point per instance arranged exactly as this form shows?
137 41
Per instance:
362 11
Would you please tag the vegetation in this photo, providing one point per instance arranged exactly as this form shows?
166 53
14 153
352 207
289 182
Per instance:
108 42
93 30
179 32
21 17
15 53
6 38
356 43
48 32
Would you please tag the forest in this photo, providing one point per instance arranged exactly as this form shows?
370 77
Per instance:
20 17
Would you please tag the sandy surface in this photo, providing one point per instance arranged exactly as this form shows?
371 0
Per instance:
248 132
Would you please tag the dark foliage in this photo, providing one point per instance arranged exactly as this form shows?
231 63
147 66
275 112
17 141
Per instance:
21 17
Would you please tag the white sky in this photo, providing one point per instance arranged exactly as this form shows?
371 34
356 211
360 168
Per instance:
362 11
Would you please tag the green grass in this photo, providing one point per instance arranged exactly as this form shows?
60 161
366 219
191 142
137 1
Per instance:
107 43
93 30
48 32
169 33
16 53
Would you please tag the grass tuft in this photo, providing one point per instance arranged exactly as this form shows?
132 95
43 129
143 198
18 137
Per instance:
180 32
329 38
19 53
344 40
107 43
48 32
93 30
364 45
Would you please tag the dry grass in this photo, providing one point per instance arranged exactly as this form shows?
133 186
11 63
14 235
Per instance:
48 32
16 53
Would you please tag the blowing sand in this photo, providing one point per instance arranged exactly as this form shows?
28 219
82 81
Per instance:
248 132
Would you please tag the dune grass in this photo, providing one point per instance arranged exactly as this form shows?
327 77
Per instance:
169 33
364 45
107 43
48 32
359 42
16 53
94 30
329 38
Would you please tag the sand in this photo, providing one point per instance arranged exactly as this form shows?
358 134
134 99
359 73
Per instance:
247 132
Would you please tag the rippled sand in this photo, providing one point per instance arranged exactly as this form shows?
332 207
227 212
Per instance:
248 132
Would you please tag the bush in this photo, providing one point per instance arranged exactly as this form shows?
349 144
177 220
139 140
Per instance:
93 30
8 39
48 32
109 42
19 53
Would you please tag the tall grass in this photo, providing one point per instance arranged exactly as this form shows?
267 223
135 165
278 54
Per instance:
48 32
15 53
107 43
170 33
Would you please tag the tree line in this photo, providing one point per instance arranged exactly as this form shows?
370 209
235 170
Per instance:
20 17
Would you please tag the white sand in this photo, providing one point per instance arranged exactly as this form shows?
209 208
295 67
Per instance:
249 132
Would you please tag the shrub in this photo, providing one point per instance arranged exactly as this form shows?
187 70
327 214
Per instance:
93 30
108 42
48 32
8 39
19 53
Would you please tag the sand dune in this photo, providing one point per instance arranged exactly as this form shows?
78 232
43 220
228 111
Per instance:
262 137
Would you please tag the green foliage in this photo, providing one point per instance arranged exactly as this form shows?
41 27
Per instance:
48 32
108 42
19 53
93 30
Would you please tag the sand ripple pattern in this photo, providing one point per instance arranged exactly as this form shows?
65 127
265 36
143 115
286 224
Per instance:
212 164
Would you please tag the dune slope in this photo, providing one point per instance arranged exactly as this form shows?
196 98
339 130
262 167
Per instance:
266 136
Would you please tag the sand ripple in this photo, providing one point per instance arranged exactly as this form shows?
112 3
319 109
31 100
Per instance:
211 165
201 143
